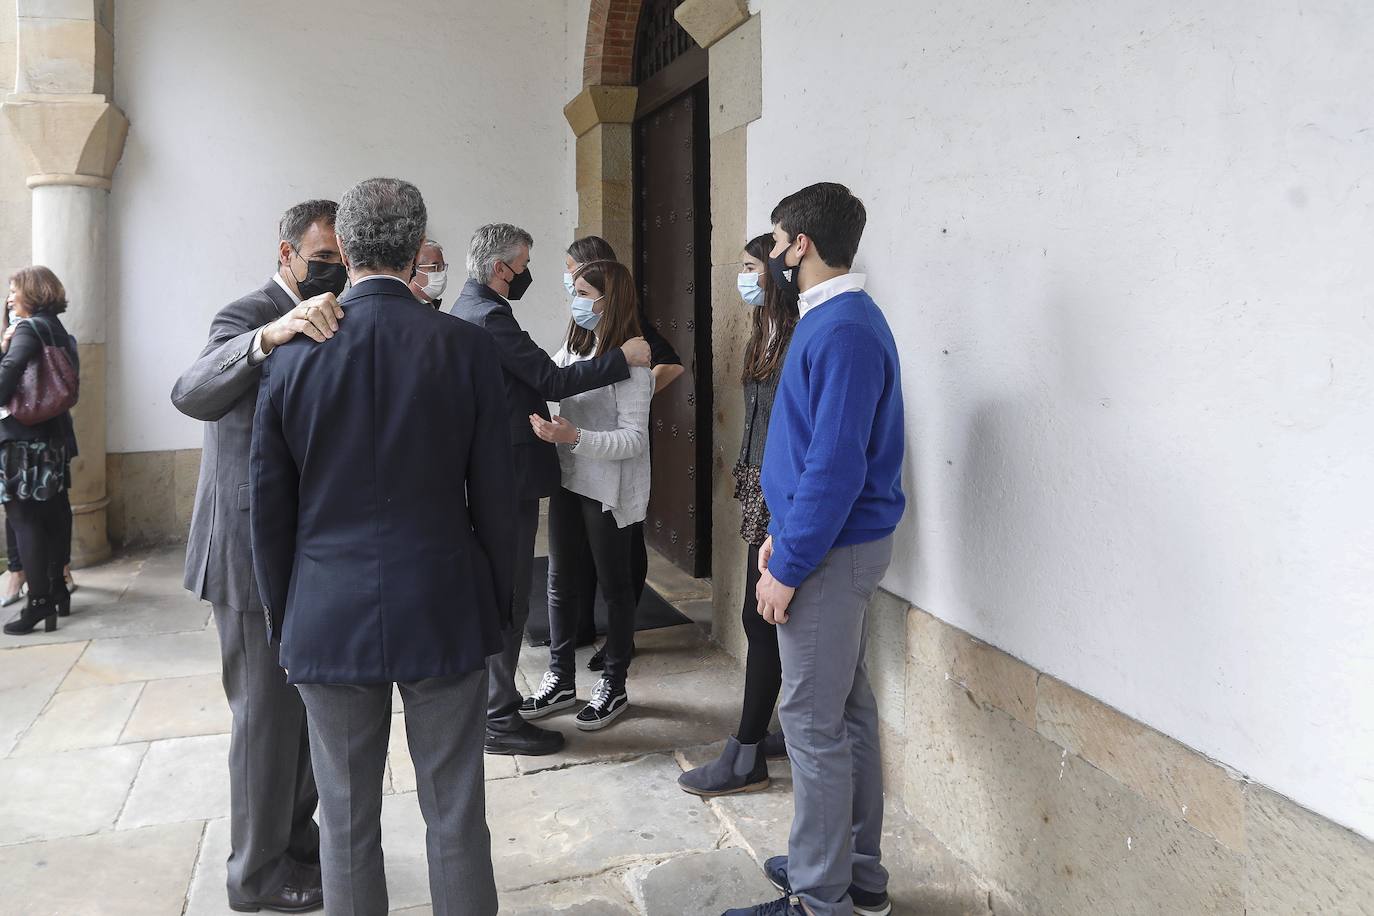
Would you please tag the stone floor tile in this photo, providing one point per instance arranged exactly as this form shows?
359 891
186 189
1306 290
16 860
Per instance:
106 583
708 882
207 896
925 878
112 621
602 895
673 584
584 820
181 779
29 676
64 795
168 615
124 873
666 712
146 658
179 707
90 717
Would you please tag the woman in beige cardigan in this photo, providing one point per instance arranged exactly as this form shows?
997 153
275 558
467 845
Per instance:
603 448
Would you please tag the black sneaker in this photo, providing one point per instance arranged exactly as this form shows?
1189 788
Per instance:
606 705
787 906
551 696
866 903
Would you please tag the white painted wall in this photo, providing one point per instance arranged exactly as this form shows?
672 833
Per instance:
1128 251
239 110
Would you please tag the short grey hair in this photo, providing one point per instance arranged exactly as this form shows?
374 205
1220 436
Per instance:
381 223
492 243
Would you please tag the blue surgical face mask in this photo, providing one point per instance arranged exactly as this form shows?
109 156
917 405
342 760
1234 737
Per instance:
582 312
749 289
568 284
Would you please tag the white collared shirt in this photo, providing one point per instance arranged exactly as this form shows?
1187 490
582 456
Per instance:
821 293
255 355
382 277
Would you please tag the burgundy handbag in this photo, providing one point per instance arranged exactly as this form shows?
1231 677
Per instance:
49 385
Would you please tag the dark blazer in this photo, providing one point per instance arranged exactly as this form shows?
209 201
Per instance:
221 388
383 502
25 345
532 378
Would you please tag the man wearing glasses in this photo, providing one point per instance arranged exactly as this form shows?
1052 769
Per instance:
431 274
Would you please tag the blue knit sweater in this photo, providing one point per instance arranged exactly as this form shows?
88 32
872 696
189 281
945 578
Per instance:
833 465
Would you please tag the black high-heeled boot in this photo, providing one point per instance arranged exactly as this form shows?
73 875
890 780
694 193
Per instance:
60 597
38 610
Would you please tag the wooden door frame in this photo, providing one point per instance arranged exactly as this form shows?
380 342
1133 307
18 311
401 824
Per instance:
601 116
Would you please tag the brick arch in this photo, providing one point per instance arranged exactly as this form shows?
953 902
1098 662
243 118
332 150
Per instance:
609 56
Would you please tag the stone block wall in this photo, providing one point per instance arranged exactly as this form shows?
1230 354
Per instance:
1067 806
151 496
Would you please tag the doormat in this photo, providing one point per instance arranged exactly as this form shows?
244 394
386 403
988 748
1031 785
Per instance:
653 612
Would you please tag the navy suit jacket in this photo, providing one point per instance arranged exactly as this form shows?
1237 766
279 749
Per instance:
383 503
532 378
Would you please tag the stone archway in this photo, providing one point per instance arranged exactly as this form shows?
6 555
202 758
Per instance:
601 117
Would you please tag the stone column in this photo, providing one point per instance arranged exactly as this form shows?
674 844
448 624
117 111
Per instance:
602 118
73 135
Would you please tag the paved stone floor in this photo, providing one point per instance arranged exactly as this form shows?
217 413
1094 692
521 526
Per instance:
113 740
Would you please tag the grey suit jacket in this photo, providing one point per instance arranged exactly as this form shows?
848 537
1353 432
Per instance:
221 388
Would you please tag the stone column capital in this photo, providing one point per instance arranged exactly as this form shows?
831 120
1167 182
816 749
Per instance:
708 21
69 139
601 105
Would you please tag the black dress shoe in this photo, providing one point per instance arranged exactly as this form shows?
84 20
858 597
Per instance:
526 739
290 899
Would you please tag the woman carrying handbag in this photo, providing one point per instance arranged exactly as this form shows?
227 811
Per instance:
38 386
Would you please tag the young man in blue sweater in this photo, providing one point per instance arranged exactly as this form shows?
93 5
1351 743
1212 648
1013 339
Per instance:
832 481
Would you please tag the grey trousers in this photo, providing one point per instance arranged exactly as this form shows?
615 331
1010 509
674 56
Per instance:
349 729
503 700
272 794
830 717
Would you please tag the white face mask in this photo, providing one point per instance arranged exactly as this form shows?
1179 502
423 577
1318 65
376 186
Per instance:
749 289
568 284
438 282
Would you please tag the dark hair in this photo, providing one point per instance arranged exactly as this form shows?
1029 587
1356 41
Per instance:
591 248
298 220
619 317
42 291
773 323
829 215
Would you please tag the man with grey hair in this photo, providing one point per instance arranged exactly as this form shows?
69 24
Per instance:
431 275
384 539
498 273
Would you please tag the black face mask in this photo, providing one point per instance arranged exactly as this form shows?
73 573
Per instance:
321 277
777 269
519 283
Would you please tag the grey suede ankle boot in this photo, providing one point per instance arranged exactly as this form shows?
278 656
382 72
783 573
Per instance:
739 768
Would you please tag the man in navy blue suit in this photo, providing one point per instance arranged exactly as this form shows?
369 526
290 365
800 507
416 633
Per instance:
383 519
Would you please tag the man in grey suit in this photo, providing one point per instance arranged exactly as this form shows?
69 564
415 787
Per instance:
274 843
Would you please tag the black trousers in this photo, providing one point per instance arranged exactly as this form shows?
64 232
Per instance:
587 548
762 666
16 562
586 614
40 528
